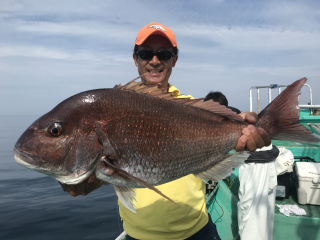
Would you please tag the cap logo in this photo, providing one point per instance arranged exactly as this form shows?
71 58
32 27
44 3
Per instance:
155 26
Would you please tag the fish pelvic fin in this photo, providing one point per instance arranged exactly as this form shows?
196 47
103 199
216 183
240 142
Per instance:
280 118
126 196
138 180
224 168
155 91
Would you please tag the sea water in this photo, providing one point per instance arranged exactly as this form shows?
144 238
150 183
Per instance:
34 206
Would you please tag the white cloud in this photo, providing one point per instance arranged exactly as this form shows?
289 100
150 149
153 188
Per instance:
51 53
293 72
90 29
32 51
252 38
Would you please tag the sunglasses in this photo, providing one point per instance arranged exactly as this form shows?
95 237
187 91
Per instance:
161 55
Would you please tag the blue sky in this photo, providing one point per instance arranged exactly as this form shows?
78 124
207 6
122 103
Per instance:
50 50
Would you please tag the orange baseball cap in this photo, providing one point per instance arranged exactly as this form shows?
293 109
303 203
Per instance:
155 29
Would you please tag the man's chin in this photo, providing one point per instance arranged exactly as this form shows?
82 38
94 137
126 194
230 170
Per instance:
153 81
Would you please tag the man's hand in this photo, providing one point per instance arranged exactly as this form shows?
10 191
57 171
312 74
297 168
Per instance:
252 137
83 188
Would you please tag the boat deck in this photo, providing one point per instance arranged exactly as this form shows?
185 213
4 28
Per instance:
300 149
296 227
223 210
313 211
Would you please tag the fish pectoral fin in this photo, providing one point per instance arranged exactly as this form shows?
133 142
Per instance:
138 180
224 168
126 196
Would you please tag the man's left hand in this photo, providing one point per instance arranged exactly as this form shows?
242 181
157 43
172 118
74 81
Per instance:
83 188
252 137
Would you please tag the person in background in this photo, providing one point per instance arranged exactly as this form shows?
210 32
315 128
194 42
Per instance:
257 194
258 180
155 55
217 97
220 98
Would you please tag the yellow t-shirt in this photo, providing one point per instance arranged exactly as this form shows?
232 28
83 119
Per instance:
157 218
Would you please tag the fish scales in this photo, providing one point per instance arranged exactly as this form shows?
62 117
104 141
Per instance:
152 137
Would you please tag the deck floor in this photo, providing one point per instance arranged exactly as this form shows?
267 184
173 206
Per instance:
313 211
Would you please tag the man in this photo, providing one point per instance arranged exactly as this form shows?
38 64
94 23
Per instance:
155 54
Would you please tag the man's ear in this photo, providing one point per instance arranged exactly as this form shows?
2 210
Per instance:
135 59
174 60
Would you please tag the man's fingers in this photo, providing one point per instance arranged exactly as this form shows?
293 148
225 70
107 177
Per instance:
83 188
241 145
250 117
250 144
264 136
71 189
255 137
63 186
252 139
80 188
92 179
258 140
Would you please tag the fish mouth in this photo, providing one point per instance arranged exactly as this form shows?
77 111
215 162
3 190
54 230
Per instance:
37 164
28 160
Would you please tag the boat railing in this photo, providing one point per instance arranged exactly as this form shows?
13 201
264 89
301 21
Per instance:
276 86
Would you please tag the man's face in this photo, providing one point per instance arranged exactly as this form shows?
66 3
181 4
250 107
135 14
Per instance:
157 71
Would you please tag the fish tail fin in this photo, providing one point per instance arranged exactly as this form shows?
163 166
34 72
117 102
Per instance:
280 118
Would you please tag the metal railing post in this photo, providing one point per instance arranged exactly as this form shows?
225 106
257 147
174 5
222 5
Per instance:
309 106
269 94
258 99
250 98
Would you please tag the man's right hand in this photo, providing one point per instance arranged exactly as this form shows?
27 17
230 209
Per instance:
83 188
252 137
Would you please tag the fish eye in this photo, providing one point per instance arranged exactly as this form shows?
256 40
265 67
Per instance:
55 130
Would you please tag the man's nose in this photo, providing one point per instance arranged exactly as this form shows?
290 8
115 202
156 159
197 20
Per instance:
155 60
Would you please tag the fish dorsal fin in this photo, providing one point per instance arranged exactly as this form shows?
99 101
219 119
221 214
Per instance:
155 91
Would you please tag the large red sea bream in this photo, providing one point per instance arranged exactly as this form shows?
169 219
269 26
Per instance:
138 136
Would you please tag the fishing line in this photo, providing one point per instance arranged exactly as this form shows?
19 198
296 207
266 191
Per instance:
215 200
119 220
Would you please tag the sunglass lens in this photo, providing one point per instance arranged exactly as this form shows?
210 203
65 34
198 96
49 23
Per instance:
161 55
145 54
164 55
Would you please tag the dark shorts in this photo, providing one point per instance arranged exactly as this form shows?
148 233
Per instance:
208 232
